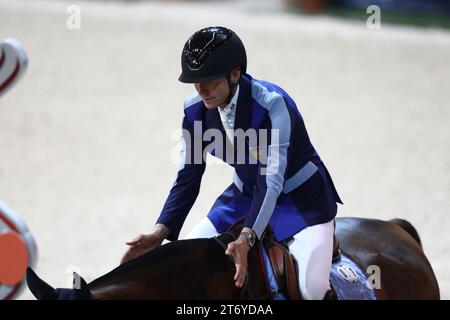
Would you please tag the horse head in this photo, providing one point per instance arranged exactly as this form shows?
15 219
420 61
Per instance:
43 291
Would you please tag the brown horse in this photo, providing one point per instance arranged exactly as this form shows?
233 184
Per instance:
199 269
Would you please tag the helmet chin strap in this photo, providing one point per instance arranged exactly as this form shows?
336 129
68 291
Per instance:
231 87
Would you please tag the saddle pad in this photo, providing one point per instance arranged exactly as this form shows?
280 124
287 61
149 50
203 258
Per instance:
349 281
347 278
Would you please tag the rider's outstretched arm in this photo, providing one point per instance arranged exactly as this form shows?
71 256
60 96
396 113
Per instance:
185 190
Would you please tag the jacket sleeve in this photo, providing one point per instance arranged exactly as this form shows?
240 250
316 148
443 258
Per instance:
185 190
270 179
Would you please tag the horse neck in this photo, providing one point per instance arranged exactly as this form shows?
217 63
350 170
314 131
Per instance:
178 270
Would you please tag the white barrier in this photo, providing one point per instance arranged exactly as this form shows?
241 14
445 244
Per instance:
13 64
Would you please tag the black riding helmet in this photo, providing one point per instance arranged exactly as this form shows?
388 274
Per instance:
210 53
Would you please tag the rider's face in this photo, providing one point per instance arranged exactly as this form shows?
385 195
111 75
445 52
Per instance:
215 92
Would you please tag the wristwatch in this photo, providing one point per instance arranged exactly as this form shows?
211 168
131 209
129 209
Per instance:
249 236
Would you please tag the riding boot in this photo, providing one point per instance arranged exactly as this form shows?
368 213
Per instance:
330 294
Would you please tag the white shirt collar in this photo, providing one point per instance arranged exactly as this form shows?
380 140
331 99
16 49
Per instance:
230 109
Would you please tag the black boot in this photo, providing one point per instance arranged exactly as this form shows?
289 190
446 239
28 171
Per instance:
330 294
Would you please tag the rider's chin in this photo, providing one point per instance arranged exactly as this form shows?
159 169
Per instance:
209 103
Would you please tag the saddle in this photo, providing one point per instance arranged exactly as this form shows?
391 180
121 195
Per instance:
284 266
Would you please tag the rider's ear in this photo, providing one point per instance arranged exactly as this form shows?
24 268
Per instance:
235 75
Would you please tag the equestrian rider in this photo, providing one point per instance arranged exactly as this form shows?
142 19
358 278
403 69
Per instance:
279 179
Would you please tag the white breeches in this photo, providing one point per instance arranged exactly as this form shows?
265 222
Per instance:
312 248
204 229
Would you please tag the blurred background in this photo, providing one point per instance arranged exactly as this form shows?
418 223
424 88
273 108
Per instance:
87 138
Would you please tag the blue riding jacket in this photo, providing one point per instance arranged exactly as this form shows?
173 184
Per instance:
279 178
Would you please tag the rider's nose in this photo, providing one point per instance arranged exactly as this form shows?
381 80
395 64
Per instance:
202 89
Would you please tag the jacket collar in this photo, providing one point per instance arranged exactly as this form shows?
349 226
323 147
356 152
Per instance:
244 109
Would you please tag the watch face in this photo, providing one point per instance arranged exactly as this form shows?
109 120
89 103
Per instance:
250 238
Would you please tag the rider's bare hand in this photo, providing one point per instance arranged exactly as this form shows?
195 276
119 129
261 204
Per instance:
239 250
144 243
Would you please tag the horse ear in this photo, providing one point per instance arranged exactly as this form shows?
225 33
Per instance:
39 288
85 293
